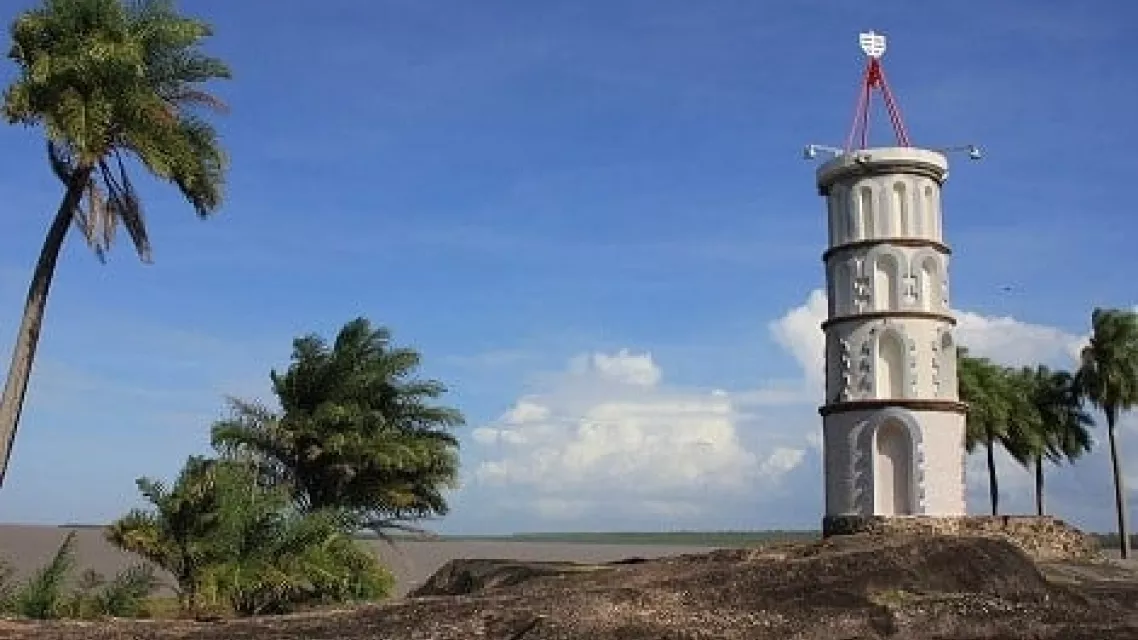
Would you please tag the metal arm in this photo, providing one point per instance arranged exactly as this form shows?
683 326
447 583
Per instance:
812 150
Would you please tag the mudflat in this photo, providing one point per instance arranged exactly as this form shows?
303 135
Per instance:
28 547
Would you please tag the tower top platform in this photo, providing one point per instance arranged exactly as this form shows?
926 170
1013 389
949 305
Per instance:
881 161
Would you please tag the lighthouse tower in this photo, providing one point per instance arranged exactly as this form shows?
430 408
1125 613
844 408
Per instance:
892 422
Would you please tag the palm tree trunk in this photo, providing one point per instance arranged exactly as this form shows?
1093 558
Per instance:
1119 486
27 337
993 484
1038 485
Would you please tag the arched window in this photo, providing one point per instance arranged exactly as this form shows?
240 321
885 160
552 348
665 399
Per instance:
834 213
901 214
890 369
843 288
931 290
932 214
865 213
893 470
886 276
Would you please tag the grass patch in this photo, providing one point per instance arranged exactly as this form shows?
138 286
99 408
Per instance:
892 597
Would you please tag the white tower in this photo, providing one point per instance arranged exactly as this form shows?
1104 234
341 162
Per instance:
893 425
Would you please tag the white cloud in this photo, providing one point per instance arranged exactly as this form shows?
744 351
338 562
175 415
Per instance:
800 333
1015 343
606 430
623 367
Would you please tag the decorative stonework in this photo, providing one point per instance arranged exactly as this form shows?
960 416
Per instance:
909 289
861 480
935 378
862 294
919 466
912 344
865 368
845 376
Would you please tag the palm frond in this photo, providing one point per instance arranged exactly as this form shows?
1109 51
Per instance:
107 79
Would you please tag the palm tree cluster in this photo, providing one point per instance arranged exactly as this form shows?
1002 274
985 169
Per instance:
268 525
232 544
1038 415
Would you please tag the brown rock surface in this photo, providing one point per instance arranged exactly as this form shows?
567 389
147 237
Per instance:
919 587
1044 538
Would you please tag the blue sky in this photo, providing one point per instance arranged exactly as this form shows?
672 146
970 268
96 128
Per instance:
521 190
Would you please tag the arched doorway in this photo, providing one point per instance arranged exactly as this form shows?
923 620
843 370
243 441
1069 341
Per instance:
893 469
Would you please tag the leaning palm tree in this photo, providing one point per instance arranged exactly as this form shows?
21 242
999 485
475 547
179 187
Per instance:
110 83
1108 378
1064 426
357 431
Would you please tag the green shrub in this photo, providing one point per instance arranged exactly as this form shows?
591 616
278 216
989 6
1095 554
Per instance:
248 546
125 595
43 596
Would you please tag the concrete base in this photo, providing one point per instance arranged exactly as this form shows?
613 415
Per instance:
1043 538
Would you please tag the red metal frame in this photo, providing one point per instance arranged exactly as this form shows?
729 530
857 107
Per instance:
874 78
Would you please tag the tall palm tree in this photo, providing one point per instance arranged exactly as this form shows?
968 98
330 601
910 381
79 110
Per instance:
356 430
981 384
1108 378
999 414
109 82
1064 426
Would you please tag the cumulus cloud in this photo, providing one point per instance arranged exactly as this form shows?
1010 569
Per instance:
606 431
1015 343
799 331
623 367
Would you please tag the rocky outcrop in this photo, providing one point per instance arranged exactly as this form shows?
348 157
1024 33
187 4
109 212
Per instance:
1043 538
844 587
466 576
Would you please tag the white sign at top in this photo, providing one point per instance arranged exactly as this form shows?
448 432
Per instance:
872 44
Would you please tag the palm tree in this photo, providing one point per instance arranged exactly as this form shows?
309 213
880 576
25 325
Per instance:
177 533
356 430
981 388
1108 378
1064 432
110 83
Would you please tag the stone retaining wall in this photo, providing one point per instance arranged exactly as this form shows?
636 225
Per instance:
1043 538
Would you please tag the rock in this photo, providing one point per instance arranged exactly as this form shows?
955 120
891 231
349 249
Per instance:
916 587
466 576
